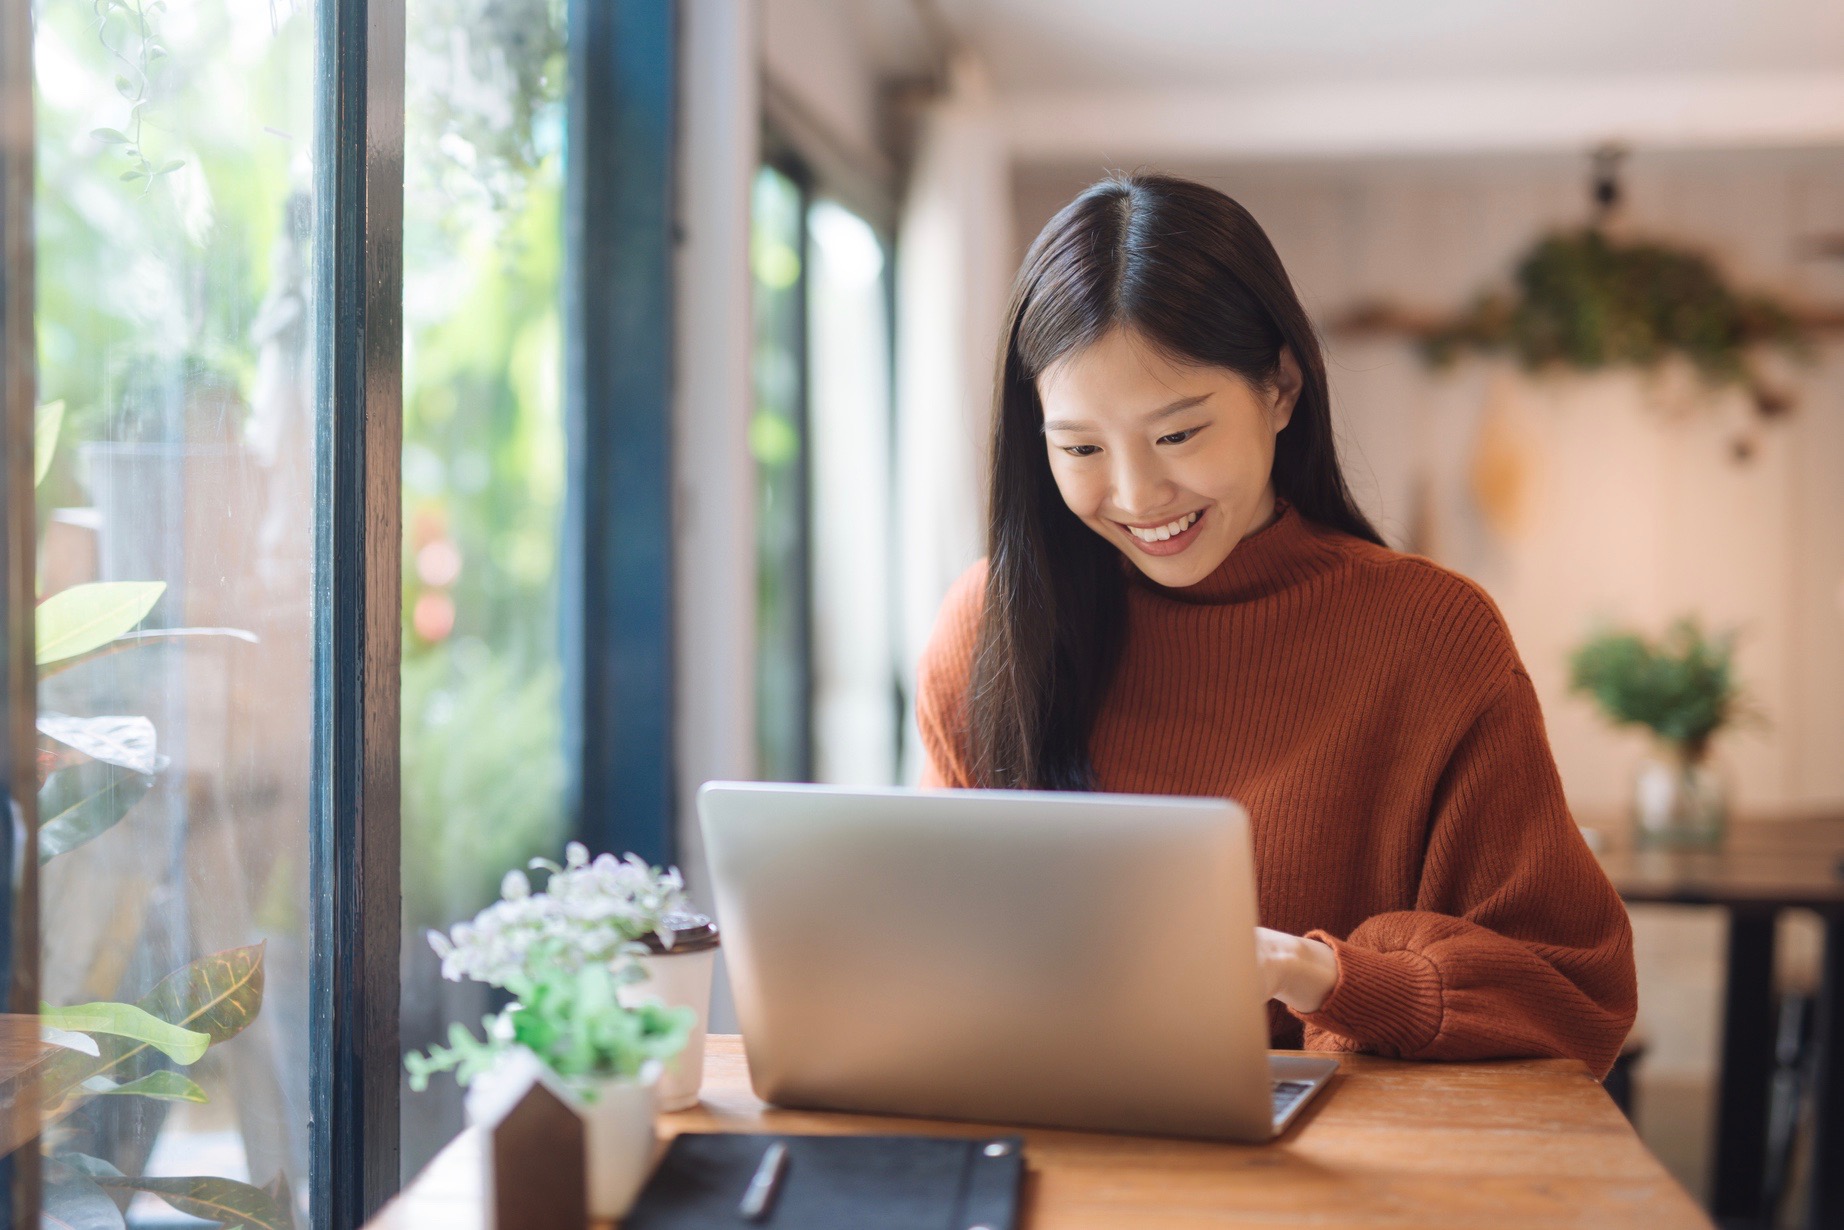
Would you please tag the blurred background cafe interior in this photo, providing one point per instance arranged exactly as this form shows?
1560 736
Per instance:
637 442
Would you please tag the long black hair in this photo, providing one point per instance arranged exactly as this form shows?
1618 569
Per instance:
1190 271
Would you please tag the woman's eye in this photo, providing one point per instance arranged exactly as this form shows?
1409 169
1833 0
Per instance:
1082 450
1179 437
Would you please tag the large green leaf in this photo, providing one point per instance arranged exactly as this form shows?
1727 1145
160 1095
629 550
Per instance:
84 617
74 1201
45 427
225 1201
127 1021
218 995
165 1085
81 801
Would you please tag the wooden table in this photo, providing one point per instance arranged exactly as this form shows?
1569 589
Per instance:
1524 1143
1765 866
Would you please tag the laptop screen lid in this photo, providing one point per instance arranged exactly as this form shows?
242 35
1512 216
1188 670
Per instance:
1072 960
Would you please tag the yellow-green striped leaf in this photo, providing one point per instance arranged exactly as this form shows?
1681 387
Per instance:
84 617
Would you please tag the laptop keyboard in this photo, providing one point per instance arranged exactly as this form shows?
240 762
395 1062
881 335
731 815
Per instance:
1287 1095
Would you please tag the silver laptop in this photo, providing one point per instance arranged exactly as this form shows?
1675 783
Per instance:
1066 960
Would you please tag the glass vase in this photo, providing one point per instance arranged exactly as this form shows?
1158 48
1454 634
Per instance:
1680 800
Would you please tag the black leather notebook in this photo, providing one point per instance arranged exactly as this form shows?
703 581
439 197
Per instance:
836 1183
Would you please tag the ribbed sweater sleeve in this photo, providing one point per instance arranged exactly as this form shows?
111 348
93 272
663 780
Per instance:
1518 945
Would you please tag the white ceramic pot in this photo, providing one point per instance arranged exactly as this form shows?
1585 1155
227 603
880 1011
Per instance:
679 980
618 1138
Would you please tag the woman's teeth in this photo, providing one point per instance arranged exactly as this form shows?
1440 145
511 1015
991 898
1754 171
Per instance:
1165 531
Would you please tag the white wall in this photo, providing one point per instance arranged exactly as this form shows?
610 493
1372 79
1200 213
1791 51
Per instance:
820 78
1636 510
714 475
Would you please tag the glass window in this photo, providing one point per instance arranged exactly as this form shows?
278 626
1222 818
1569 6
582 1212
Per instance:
176 523
777 438
828 704
483 484
857 709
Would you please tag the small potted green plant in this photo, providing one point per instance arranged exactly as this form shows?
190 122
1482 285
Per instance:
1682 689
570 1017
601 907
580 961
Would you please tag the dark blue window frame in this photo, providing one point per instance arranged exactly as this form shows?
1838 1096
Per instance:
617 585
358 596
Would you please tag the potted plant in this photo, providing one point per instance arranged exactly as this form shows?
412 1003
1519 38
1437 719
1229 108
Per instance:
1682 689
647 906
600 909
568 1015
610 977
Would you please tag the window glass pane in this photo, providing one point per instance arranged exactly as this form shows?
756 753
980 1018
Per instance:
857 713
777 433
483 481
176 517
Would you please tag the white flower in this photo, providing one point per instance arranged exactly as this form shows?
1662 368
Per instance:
590 911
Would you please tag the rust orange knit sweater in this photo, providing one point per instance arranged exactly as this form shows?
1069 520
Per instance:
1370 712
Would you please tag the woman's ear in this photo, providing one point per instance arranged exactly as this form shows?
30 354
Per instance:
1287 384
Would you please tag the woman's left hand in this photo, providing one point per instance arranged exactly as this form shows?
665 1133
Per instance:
1297 971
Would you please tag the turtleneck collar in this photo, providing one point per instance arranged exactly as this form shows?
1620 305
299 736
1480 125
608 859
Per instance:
1282 553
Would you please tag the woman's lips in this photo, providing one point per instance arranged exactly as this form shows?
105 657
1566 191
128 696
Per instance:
1170 546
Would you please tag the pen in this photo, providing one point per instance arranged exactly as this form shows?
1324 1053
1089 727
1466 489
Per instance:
762 1187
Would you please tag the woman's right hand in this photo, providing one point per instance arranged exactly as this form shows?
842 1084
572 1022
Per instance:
1297 971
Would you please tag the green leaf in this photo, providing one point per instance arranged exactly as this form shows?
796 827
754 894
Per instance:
84 1164
74 1201
84 617
169 167
111 738
219 994
124 87
109 136
83 801
179 1044
225 1201
46 424
131 175
166 1085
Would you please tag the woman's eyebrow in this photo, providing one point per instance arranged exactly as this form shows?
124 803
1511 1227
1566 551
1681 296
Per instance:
1177 407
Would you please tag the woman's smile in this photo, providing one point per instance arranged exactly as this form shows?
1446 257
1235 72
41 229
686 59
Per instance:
1166 538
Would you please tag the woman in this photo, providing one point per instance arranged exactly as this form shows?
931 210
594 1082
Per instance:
1181 597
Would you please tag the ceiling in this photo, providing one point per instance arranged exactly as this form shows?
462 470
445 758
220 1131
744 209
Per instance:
1201 44
1076 79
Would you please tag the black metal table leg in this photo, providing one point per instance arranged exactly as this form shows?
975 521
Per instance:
1825 1209
1747 1069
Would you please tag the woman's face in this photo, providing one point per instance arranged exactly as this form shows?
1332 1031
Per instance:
1169 462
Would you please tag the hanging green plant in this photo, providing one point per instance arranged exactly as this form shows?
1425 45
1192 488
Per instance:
1586 300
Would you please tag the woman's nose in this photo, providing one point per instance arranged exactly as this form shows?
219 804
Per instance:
1141 487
